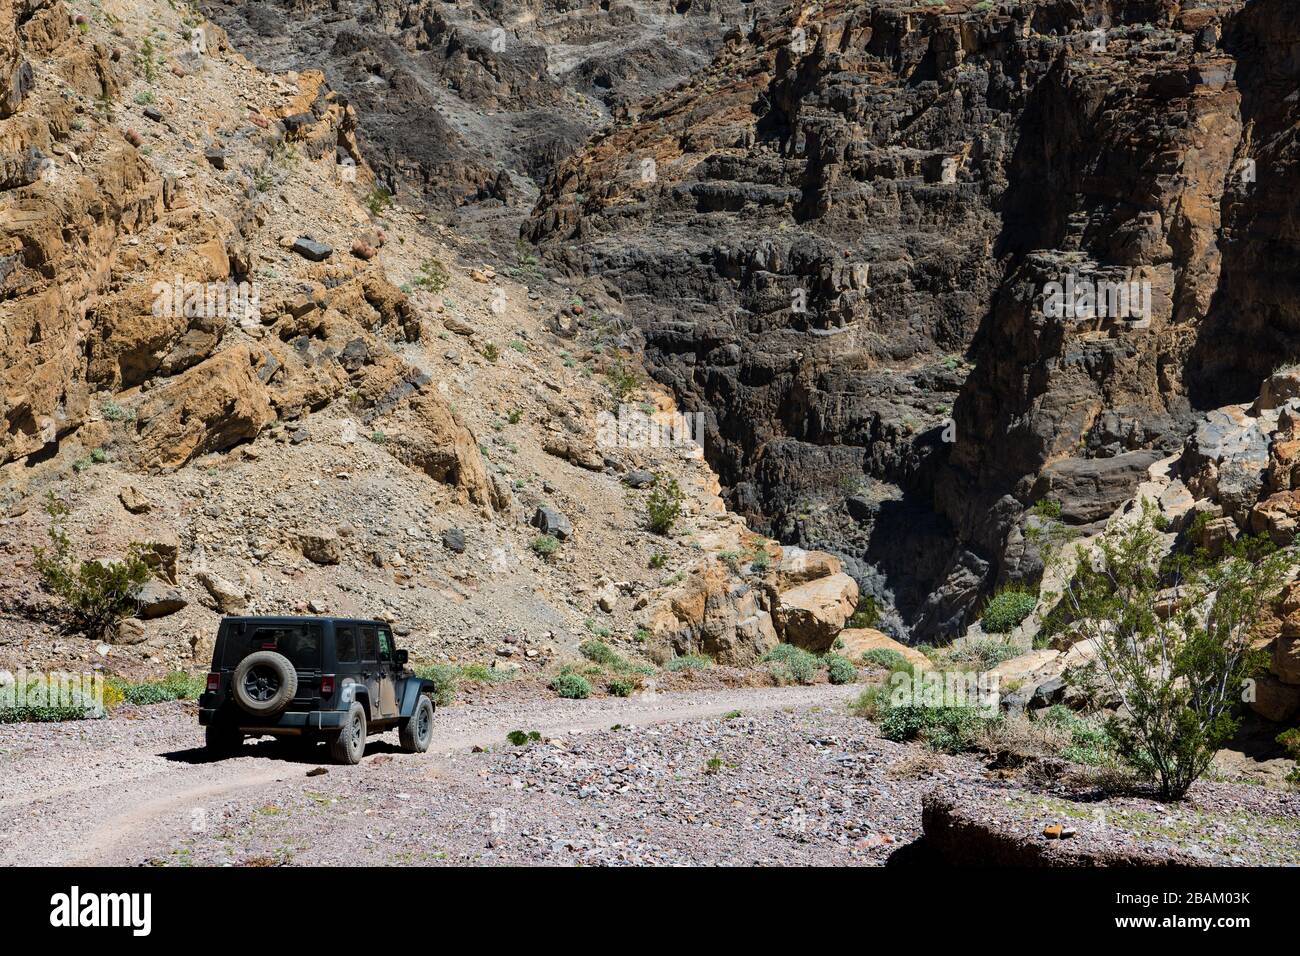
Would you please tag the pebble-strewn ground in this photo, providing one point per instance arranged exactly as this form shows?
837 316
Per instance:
749 776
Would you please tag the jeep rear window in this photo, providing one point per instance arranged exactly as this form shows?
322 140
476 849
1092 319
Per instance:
300 643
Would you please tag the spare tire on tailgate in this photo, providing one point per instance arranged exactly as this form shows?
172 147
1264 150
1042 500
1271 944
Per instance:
264 683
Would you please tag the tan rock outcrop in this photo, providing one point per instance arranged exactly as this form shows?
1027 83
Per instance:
713 614
427 436
853 642
213 406
812 614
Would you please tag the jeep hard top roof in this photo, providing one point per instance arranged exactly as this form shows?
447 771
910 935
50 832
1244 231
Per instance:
300 619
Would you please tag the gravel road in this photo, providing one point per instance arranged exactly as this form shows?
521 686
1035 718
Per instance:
680 778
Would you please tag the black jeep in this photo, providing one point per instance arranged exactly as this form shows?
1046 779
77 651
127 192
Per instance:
313 677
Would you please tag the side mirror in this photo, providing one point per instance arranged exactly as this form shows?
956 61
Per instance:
401 656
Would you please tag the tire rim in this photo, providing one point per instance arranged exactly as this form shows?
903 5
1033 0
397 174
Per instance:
357 733
261 684
422 724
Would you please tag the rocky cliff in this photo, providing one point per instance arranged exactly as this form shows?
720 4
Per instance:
847 250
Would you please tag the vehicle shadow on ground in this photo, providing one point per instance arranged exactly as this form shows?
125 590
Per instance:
288 751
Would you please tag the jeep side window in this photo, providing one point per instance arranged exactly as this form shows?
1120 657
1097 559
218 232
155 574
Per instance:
345 644
385 647
369 647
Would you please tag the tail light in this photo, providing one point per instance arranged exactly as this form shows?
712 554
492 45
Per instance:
327 685
214 682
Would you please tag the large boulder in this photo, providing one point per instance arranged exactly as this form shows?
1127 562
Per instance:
228 598
1090 489
798 566
320 546
1286 658
1275 700
813 614
1226 459
548 520
158 599
714 614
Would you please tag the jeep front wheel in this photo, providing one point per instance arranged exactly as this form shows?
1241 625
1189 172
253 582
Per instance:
350 744
416 732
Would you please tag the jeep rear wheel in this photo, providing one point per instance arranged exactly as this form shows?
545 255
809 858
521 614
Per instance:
264 683
350 744
416 732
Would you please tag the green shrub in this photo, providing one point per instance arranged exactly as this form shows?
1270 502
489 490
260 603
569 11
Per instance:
378 199
1089 741
519 737
802 665
43 703
871 703
1006 609
885 657
620 687
780 673
598 652
867 614
950 729
570 685
94 596
664 505
178 685
623 382
445 681
1290 739
1177 676
545 545
984 655
1049 509
840 669
688 662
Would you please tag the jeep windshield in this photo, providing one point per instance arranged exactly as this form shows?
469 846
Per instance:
301 643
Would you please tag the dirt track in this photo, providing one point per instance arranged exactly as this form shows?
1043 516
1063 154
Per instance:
130 791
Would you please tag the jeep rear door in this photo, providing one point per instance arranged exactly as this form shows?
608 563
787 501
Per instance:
370 669
388 705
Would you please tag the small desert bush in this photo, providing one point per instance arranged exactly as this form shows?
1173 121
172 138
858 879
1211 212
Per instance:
178 685
688 662
664 505
571 685
885 657
94 596
1006 609
791 665
621 687
840 670
445 681
545 545
866 614
982 655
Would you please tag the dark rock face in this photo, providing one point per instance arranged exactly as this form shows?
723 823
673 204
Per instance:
845 250
839 238
473 102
